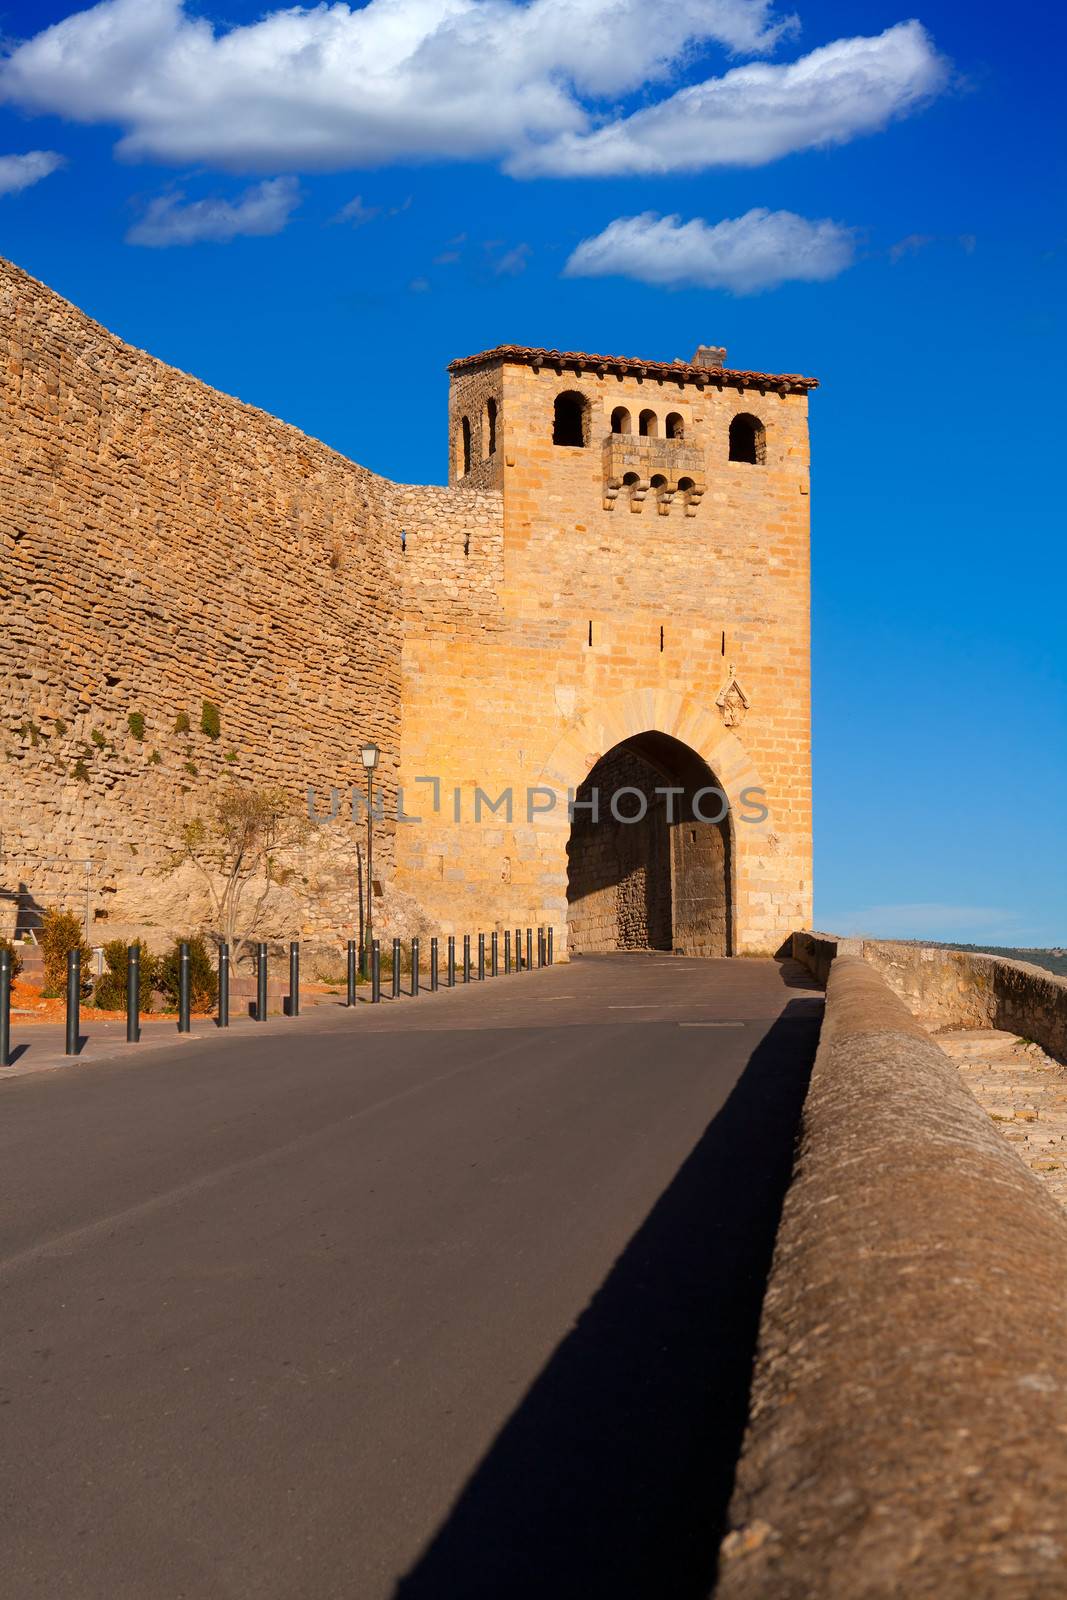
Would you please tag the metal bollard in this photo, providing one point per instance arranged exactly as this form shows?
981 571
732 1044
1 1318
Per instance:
494 958
294 977
396 969
518 949
261 983
74 1000
433 966
133 994
5 1008
450 968
481 957
183 988
550 945
507 951
466 958
414 968
376 971
224 985
352 972
540 947
529 949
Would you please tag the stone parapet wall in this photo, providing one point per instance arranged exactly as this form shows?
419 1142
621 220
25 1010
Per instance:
956 988
910 1390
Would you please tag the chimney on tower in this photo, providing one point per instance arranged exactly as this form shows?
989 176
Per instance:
710 355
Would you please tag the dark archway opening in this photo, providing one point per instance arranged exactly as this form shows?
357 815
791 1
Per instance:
649 869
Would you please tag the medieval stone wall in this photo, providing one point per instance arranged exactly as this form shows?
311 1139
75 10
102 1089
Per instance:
165 545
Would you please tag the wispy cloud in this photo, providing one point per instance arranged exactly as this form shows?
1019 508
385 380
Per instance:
924 920
335 86
263 209
357 213
910 245
741 254
20 172
513 261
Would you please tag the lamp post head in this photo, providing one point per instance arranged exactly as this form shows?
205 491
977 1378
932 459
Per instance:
370 754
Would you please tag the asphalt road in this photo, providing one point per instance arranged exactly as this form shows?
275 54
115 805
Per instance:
451 1298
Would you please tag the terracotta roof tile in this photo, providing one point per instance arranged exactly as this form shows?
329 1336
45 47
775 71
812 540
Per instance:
525 355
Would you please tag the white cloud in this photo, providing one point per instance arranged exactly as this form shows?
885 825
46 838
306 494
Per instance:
334 86
19 172
757 113
742 254
265 208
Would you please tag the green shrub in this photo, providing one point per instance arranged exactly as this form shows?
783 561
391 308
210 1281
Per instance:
191 768
155 759
110 991
182 723
210 721
16 956
62 931
135 723
203 984
60 726
231 756
98 739
81 771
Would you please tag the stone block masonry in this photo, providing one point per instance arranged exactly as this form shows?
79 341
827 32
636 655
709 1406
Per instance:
196 593
165 545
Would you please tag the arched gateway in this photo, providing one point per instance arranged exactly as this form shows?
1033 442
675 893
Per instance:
649 854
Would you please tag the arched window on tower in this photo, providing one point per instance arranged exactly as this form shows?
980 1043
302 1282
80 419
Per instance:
489 430
748 439
570 418
620 420
463 452
648 425
675 426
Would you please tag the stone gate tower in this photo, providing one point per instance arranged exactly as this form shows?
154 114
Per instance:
636 624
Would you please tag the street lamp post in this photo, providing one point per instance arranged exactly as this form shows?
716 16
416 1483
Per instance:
370 754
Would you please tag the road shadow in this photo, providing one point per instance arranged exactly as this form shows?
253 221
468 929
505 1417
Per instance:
613 1475
795 975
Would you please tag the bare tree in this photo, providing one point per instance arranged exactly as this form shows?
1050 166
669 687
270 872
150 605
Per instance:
236 847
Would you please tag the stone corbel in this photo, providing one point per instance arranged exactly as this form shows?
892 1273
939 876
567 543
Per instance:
693 498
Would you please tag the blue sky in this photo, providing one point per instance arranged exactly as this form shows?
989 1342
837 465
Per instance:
277 203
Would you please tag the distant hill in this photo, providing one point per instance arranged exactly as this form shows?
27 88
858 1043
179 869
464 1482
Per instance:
1054 960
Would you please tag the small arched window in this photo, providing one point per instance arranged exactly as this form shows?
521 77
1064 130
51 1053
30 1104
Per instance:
684 485
648 425
620 420
675 426
569 418
489 430
658 482
748 439
463 453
